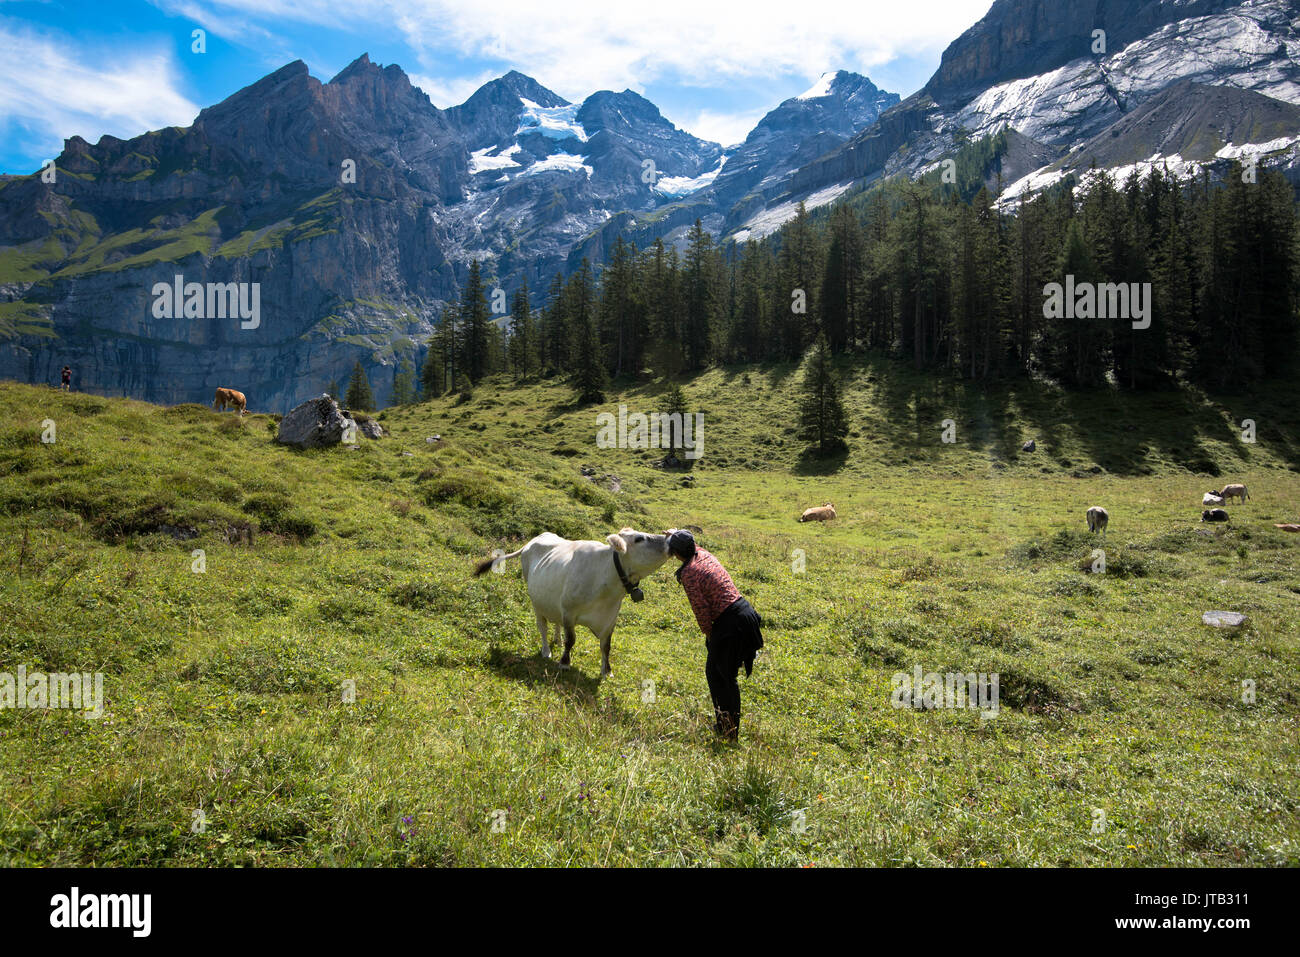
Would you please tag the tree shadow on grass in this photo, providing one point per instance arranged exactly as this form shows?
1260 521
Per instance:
810 463
1119 430
536 671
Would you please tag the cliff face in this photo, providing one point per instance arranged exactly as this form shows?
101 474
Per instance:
1031 66
355 206
1022 38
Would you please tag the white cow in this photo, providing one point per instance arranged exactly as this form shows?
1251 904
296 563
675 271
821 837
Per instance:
1211 499
1098 517
579 583
1235 491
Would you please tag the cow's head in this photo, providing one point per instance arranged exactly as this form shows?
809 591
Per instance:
639 552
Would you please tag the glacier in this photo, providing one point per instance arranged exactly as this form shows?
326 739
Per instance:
553 122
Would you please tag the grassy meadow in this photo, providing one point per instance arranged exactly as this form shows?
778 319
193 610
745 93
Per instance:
1122 737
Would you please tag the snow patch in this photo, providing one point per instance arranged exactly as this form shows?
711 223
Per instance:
1119 175
480 161
1026 186
770 220
564 162
819 89
678 186
1257 149
553 122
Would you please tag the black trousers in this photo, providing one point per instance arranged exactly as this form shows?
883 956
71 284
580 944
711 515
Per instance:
735 638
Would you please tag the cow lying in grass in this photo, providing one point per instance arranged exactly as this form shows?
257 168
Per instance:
1212 499
823 513
583 583
232 398
1214 515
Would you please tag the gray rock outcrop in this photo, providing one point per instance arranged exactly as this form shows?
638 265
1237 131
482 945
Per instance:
314 424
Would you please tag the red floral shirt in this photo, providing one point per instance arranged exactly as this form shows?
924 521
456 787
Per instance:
708 587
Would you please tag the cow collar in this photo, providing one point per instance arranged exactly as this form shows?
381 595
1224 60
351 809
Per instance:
633 590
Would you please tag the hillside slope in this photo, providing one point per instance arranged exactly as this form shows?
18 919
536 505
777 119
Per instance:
223 694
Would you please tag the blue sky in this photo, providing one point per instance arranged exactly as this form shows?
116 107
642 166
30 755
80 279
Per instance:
89 68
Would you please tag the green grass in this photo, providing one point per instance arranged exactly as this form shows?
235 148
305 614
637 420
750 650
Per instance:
223 688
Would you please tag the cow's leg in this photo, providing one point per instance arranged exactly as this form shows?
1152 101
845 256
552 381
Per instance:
543 626
569 638
605 670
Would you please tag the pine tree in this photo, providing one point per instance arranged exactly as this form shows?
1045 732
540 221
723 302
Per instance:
822 419
661 291
701 299
440 369
359 397
554 344
619 312
404 383
675 404
841 280
523 335
476 318
588 377
799 270
332 390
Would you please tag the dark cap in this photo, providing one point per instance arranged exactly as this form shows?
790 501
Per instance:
682 544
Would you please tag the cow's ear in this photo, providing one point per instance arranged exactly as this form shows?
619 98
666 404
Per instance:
616 542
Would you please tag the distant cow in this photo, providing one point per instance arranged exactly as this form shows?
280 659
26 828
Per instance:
583 583
1214 515
1097 519
1212 499
1235 491
1288 527
232 398
822 514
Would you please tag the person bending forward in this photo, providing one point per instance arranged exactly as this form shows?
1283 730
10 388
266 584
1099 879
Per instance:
731 627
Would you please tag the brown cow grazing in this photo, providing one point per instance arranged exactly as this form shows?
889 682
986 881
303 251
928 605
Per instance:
232 398
1235 491
823 514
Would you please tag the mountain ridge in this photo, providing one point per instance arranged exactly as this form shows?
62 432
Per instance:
357 204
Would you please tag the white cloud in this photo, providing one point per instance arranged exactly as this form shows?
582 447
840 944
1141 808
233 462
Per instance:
51 88
729 129
584 45
445 92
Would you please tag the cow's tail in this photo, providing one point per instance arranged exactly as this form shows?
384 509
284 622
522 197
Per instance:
487 563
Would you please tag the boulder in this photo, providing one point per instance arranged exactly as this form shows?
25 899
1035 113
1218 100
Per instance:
315 424
370 428
1224 619
1029 446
